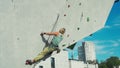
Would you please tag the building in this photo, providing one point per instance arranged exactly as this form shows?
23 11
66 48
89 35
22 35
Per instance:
81 53
61 61
86 52
86 58
89 50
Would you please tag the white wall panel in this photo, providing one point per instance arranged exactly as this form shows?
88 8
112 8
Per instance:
21 22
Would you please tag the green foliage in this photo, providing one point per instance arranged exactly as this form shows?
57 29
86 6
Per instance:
97 62
103 65
110 62
92 62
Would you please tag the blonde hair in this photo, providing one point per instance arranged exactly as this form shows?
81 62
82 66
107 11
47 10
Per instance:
62 30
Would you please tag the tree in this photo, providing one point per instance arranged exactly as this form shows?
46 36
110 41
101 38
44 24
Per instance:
112 61
102 65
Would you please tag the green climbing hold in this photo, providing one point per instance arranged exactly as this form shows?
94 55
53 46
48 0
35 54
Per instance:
63 45
88 19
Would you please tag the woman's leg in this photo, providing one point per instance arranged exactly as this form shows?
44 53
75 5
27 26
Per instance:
43 53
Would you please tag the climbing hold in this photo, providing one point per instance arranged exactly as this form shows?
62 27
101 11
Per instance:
82 14
90 34
68 35
40 66
64 14
79 4
81 17
18 38
68 6
73 40
78 28
12 1
88 19
63 45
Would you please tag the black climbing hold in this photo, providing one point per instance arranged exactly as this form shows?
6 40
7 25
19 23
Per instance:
40 66
68 6
79 4
64 14
90 34
68 35
78 28
73 40
72 46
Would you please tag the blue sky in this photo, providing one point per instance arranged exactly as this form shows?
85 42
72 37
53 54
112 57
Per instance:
107 40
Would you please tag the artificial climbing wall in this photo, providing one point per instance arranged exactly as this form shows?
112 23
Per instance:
81 18
21 22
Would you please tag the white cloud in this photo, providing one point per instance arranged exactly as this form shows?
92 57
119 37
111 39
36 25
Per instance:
102 46
110 43
116 44
116 24
99 47
118 40
111 52
107 26
99 41
100 50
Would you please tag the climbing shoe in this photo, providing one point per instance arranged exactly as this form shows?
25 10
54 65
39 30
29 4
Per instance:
29 62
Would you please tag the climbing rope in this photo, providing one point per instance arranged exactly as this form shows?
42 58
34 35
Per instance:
53 28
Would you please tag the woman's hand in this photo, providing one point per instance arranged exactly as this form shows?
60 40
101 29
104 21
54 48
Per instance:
42 33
